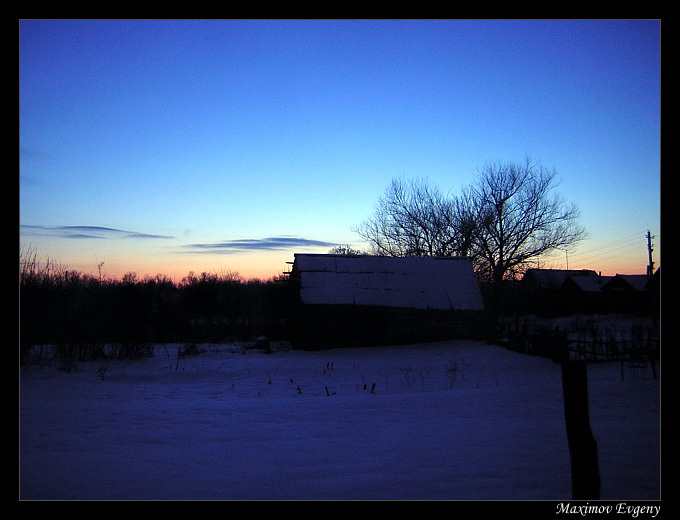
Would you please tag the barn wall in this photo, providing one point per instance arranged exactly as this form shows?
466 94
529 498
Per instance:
316 327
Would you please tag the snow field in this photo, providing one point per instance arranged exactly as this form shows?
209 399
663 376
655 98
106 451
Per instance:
457 420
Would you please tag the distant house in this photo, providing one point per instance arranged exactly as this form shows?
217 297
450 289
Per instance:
586 282
582 279
562 291
627 282
352 300
633 292
558 291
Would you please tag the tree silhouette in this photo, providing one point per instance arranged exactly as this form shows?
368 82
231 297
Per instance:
505 220
412 219
518 218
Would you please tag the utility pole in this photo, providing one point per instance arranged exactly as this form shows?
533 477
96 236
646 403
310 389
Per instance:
650 265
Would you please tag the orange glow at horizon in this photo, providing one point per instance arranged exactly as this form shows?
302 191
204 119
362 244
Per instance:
115 261
248 267
266 266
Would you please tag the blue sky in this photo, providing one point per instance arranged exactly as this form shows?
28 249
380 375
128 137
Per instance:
169 146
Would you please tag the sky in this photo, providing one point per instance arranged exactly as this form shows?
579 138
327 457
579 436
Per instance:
177 146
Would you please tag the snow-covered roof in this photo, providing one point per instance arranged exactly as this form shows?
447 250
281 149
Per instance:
636 282
588 282
413 282
554 278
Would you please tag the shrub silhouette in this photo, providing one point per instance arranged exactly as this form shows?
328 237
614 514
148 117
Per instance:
67 308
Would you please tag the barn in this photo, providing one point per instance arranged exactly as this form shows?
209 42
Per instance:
361 300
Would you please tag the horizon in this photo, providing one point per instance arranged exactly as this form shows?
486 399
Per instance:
177 277
177 146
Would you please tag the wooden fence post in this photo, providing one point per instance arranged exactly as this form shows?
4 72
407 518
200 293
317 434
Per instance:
585 471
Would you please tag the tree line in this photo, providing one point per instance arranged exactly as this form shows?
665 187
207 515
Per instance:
62 306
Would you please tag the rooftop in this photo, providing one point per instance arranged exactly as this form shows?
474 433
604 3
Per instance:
446 283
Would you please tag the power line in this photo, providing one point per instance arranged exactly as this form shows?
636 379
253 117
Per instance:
630 238
628 247
607 247
613 250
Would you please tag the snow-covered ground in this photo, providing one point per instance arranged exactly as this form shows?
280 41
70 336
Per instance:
457 420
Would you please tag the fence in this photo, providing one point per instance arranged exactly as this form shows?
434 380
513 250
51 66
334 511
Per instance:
637 348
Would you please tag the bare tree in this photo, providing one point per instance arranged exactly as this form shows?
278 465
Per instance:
518 219
412 219
344 250
464 225
505 220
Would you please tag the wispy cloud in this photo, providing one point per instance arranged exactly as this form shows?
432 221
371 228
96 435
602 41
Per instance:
256 244
84 232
